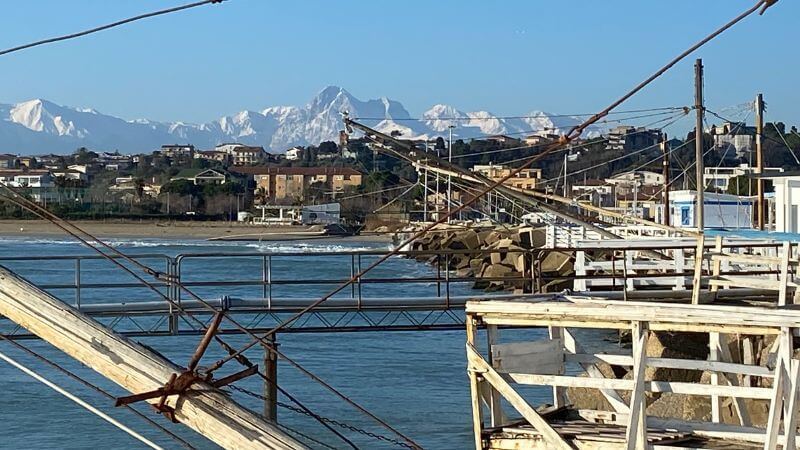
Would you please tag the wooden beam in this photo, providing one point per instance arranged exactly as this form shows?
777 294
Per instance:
137 369
478 364
474 386
636 433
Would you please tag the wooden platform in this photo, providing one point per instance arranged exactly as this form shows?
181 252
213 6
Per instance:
582 434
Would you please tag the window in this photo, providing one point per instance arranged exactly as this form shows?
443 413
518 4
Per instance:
685 217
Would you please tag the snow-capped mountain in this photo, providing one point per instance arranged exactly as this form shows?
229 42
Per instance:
39 126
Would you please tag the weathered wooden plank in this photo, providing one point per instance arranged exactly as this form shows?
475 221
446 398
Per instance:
671 363
137 369
544 357
676 387
495 379
636 434
474 388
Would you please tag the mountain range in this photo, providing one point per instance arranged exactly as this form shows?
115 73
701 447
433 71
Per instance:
40 126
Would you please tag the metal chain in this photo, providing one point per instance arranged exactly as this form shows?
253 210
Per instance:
326 419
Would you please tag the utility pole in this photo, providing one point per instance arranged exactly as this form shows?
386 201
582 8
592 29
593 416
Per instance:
425 190
759 161
698 143
449 177
665 171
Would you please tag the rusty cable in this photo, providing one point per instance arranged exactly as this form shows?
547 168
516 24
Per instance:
107 26
100 390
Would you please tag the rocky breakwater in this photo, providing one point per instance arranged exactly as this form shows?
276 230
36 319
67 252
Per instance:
494 258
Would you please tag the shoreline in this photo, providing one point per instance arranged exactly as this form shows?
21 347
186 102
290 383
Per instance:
167 230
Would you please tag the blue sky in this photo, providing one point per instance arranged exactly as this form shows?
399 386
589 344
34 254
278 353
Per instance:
508 57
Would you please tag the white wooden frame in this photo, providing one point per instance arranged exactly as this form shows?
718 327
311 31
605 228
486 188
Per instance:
718 322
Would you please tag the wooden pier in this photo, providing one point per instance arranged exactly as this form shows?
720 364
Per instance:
734 377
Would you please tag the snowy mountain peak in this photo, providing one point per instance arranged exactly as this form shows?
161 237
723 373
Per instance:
40 126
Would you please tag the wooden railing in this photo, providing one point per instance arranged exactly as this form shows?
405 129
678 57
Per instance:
730 331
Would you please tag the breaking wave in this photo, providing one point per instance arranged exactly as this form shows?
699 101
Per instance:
263 246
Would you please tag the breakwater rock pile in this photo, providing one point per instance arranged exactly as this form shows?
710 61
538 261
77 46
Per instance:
492 257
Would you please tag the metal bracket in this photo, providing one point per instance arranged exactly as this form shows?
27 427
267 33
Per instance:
178 384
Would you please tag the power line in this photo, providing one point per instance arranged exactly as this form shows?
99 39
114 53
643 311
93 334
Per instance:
80 402
106 27
98 389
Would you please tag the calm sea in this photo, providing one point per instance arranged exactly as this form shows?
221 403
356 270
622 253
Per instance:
416 381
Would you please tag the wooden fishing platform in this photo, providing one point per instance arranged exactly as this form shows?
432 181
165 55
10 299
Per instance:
561 363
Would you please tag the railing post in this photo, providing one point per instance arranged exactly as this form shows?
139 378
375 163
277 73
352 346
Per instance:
174 293
271 383
264 276
269 282
78 283
447 283
352 274
359 281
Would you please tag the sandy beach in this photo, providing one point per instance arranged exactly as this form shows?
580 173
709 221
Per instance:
163 230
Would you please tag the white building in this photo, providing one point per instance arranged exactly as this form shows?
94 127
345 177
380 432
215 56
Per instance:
787 202
734 140
719 210
294 153
720 177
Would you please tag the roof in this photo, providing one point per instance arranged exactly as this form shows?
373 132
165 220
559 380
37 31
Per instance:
8 156
248 149
592 182
273 170
193 173
16 172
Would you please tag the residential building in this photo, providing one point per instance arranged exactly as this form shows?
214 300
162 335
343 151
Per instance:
644 202
628 138
214 155
541 137
293 183
720 177
177 150
201 176
114 161
787 201
719 210
27 161
525 179
8 161
26 178
244 155
70 174
734 139
503 139
629 181
598 192
51 161
294 153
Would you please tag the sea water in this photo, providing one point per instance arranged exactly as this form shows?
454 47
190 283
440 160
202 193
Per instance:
414 380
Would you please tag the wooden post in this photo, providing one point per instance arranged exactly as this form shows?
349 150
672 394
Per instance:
698 143
271 386
495 409
203 408
759 162
559 393
714 350
665 168
636 435
698 269
474 386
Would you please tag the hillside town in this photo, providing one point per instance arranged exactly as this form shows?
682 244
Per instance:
239 182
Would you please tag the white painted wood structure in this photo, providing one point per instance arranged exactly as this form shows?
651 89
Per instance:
546 362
